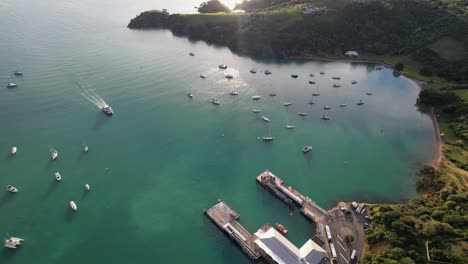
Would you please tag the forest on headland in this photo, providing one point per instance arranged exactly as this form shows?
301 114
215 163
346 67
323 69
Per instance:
426 40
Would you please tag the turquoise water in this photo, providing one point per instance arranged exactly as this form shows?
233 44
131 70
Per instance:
168 157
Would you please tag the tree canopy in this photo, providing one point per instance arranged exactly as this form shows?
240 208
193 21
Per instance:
213 6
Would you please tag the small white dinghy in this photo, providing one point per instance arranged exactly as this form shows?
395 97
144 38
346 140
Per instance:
325 117
287 104
11 85
85 148
302 113
87 187
215 101
73 206
256 111
14 150
290 127
54 154
190 95
266 119
307 149
12 189
13 242
256 97
58 177
268 138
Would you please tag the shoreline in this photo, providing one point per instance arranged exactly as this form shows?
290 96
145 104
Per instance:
437 152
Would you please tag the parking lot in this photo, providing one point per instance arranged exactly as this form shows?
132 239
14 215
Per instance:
343 224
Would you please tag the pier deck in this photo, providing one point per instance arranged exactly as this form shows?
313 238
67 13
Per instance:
226 219
307 206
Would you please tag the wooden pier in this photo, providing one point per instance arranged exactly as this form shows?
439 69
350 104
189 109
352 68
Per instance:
226 219
290 196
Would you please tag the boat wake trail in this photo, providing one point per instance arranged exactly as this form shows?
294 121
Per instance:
91 96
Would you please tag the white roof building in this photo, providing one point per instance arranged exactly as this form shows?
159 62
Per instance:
281 251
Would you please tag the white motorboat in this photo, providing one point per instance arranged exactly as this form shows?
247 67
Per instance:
192 54
85 148
360 102
256 97
269 138
302 113
266 119
234 93
253 71
343 105
87 187
54 154
18 73
14 150
58 177
73 206
326 107
222 66
336 85
287 104
325 117
272 94
353 82
307 149
107 110
267 72
13 242
256 111
11 189
190 95
290 127
203 76
11 85
215 101
228 76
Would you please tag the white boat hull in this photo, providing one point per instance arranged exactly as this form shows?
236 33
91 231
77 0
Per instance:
73 206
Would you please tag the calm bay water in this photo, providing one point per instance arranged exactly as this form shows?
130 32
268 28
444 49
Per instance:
168 157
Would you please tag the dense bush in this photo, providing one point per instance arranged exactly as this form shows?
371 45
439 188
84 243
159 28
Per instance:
213 6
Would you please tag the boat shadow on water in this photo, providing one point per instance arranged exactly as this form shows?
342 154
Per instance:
52 186
6 254
69 214
84 194
7 197
101 120
9 156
